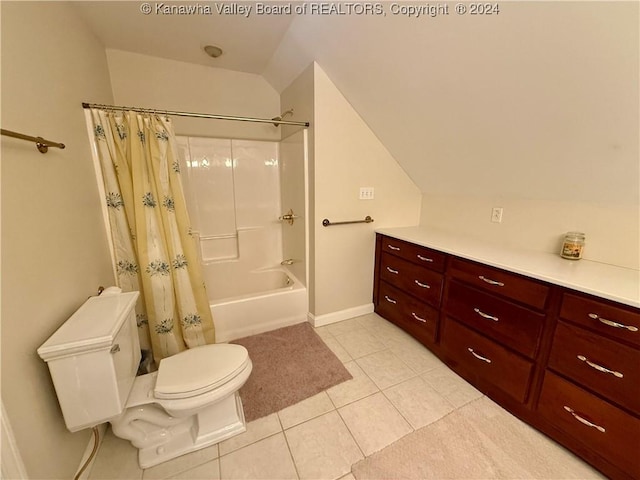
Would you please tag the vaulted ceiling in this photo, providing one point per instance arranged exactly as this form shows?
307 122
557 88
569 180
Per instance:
537 99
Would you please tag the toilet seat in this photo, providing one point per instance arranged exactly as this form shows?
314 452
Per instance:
199 370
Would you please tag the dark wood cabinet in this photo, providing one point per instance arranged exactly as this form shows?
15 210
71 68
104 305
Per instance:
516 327
592 422
422 283
409 313
500 282
425 257
565 362
607 368
408 288
603 317
486 361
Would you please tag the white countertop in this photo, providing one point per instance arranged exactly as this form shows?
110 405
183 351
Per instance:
607 281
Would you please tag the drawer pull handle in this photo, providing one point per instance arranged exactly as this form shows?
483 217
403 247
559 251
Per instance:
479 357
390 300
423 285
490 282
611 323
584 420
391 270
485 315
600 368
418 318
391 247
425 259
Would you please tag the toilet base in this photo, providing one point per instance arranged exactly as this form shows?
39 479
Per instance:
212 425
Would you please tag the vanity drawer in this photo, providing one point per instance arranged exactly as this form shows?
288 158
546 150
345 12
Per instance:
512 325
500 282
414 253
612 321
486 360
605 429
416 317
601 365
418 281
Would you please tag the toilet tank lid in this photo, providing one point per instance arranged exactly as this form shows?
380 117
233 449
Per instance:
92 327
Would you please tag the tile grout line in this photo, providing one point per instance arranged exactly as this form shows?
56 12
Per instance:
293 460
413 429
351 433
380 390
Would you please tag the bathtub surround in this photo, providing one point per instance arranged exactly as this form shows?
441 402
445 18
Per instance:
236 191
233 196
151 232
294 151
289 365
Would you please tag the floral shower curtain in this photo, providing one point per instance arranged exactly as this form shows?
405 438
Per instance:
154 250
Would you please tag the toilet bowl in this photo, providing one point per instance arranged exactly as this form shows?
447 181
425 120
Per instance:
190 403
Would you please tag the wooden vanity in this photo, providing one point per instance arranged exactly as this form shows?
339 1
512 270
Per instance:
556 342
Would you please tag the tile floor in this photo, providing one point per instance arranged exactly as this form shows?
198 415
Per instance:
398 386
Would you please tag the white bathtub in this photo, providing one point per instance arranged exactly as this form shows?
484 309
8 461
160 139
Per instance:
254 302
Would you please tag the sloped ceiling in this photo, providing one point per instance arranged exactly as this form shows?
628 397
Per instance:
537 101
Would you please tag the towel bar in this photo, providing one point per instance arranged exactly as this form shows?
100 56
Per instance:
41 144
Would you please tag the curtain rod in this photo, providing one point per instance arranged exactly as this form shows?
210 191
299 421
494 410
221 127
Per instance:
195 115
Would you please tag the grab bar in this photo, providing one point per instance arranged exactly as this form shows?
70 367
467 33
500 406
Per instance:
327 223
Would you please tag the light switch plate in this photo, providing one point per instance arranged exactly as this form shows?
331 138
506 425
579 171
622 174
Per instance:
366 193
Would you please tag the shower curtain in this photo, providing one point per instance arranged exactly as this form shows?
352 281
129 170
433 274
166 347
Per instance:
155 253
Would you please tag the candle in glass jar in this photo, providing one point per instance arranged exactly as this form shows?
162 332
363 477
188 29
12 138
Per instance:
573 246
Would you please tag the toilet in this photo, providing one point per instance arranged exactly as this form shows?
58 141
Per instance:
190 403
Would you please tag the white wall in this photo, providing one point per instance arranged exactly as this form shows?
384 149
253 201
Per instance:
343 156
535 109
152 82
612 233
54 248
348 156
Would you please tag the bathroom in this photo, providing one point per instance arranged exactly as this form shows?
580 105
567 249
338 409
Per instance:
544 154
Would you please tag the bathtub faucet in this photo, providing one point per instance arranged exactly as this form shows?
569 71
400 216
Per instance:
288 261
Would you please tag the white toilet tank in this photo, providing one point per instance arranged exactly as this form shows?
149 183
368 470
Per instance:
93 359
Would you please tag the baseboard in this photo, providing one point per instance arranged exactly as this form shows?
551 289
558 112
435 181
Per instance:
102 430
333 317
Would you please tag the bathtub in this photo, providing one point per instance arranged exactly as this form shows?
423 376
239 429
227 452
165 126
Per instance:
254 302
